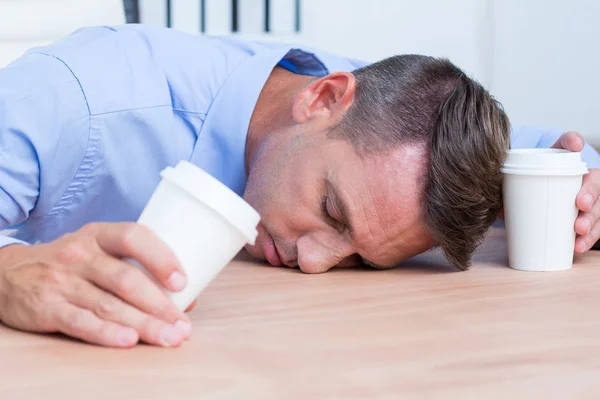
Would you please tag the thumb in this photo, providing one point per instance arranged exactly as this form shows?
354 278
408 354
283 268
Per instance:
571 141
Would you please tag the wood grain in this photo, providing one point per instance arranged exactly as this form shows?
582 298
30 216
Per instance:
419 331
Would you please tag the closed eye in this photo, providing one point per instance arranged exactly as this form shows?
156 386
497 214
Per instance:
330 220
325 211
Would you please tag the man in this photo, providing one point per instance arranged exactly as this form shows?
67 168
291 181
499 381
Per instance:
347 164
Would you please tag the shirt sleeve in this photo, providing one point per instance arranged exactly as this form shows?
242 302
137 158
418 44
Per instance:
526 137
39 151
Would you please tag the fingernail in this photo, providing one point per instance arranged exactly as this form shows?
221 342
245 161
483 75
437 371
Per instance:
588 199
127 337
170 336
177 281
587 226
185 327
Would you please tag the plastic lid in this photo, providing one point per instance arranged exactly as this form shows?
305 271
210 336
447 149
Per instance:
544 162
215 195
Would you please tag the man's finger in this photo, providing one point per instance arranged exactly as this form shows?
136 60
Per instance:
133 286
83 324
590 190
587 220
109 308
584 243
130 240
571 141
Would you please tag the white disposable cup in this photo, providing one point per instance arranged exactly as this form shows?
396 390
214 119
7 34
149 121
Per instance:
539 189
204 222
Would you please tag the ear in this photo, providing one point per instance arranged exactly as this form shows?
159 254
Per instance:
327 98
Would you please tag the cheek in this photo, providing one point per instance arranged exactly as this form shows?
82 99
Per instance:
283 186
268 190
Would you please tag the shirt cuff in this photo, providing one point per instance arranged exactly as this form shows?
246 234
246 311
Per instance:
7 240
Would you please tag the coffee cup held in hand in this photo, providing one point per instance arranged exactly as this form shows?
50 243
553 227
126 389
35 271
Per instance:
539 191
203 221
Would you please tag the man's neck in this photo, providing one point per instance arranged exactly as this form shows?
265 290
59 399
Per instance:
273 109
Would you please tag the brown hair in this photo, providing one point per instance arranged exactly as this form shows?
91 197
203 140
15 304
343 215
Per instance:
420 100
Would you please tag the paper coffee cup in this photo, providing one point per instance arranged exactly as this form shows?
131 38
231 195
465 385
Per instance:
203 221
539 191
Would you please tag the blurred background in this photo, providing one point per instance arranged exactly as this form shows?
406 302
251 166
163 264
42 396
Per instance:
540 58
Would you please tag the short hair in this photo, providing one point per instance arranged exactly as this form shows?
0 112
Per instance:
425 101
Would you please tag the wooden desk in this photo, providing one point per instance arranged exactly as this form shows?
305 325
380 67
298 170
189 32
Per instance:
422 330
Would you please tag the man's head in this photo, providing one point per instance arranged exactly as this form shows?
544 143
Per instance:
376 166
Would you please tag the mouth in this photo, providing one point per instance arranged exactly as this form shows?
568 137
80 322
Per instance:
270 251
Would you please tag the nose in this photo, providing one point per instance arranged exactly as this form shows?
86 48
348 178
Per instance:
318 254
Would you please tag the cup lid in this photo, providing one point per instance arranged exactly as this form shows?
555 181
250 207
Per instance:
544 162
216 195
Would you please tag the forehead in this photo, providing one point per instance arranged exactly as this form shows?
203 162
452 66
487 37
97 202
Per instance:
384 194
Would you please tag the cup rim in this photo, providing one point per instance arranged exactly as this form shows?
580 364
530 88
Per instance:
573 171
211 192
544 161
545 150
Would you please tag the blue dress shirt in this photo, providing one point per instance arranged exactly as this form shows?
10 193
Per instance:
87 123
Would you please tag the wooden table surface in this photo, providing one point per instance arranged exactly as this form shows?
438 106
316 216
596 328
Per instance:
419 331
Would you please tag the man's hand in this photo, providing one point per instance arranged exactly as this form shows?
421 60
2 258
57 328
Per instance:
586 225
79 285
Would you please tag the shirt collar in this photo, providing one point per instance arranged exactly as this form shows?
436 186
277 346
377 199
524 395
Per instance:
220 147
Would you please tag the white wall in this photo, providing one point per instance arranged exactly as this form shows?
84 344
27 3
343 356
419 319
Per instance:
375 29
29 23
546 67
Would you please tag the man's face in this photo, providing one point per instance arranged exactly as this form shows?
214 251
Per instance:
323 205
